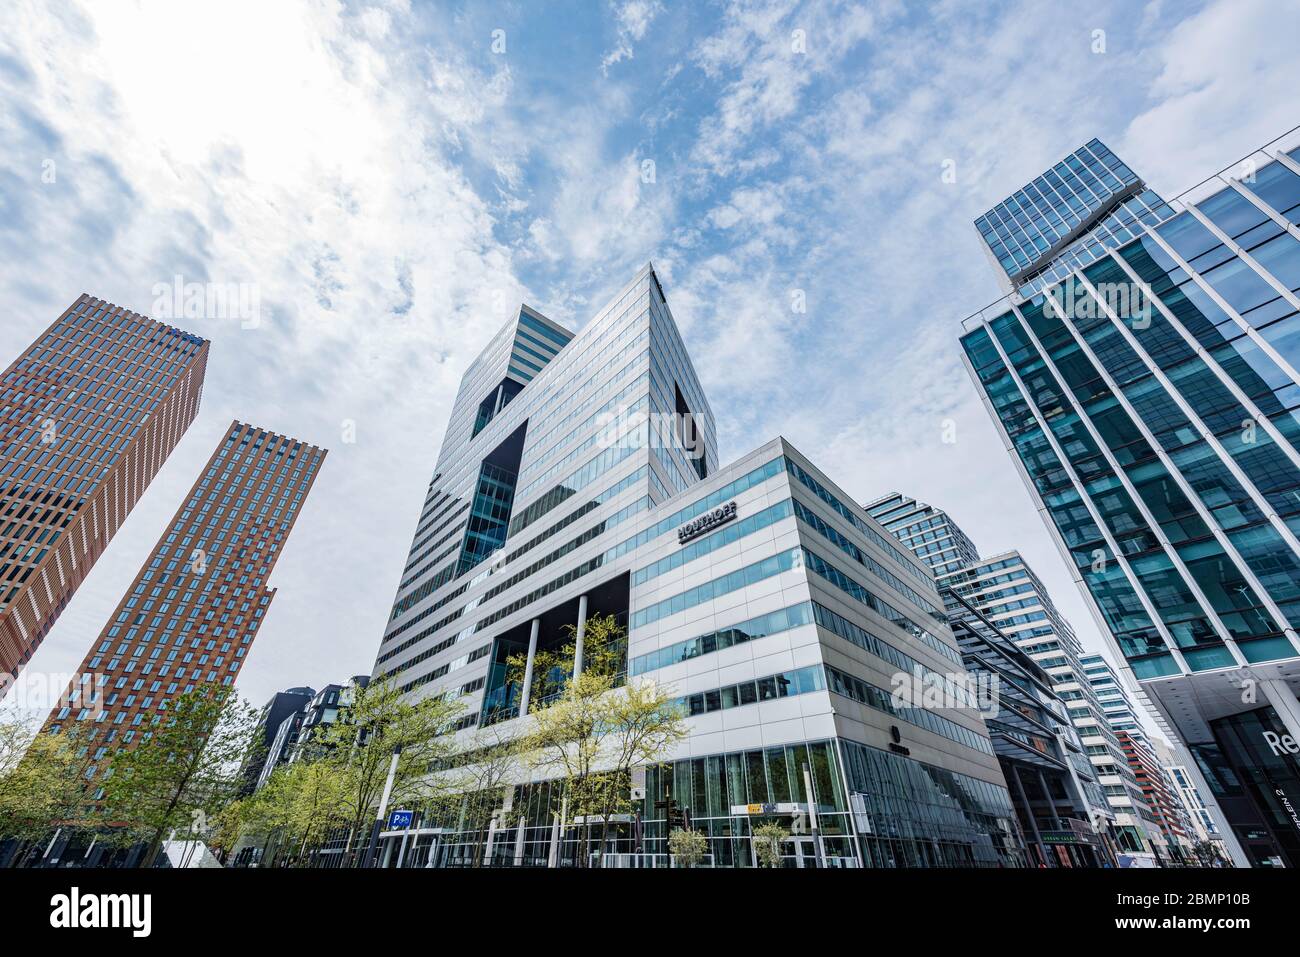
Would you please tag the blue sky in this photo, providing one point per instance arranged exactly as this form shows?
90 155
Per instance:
393 177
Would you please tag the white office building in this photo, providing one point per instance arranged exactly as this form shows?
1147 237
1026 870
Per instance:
579 477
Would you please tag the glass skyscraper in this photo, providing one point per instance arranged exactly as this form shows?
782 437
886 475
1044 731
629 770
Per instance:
774 608
88 414
1066 218
1006 590
927 531
1148 395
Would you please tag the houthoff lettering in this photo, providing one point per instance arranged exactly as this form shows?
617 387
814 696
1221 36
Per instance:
709 520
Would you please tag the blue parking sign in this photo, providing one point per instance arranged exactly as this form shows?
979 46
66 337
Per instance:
400 819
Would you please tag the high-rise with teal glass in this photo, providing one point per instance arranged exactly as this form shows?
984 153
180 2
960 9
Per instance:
1143 374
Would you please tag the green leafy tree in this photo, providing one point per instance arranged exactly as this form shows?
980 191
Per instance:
316 794
358 749
687 847
603 653
492 760
292 814
231 824
41 779
183 770
768 839
641 725
593 731
565 742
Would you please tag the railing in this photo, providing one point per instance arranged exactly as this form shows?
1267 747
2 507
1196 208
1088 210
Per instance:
643 861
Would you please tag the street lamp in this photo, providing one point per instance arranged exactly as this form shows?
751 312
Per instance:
383 808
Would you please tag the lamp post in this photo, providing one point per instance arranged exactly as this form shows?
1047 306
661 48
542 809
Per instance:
383 808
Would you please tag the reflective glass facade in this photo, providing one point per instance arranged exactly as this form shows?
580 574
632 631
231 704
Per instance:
1005 590
1066 218
930 533
1160 431
1150 399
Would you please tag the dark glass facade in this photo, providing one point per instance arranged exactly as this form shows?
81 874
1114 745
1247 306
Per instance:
1173 478
1255 765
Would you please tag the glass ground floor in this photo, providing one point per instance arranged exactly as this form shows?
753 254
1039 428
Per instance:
843 804
1253 769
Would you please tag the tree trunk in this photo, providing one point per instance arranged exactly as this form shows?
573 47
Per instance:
604 828
176 797
585 844
347 848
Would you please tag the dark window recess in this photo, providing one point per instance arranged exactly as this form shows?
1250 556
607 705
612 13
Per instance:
494 496
688 433
496 400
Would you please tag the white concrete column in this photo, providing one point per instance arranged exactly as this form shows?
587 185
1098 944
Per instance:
582 632
527 692
557 834
519 843
1230 843
1284 702
491 839
552 856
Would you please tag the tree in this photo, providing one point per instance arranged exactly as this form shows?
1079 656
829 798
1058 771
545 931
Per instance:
687 847
41 781
597 730
183 770
293 813
493 759
603 653
768 839
565 741
232 823
1207 852
641 725
316 794
358 748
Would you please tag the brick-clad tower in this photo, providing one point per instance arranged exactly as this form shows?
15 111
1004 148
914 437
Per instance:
88 414
191 614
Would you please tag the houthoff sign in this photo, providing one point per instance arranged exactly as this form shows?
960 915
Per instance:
706 522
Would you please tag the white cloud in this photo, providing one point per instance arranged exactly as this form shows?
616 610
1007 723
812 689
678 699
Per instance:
1228 83
389 184
306 156
634 18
